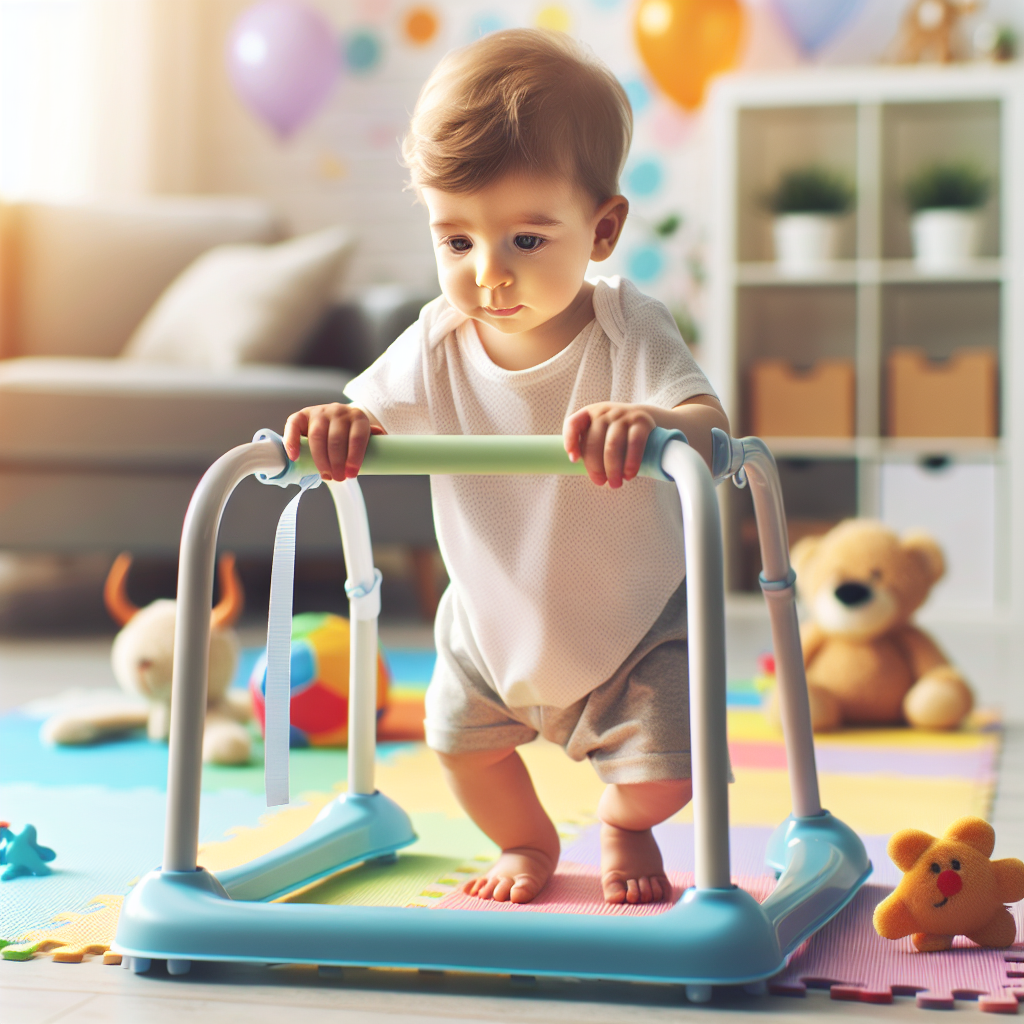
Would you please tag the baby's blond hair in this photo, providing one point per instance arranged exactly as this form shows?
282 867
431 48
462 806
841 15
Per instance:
519 101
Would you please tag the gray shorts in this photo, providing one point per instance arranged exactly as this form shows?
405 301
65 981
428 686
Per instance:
635 727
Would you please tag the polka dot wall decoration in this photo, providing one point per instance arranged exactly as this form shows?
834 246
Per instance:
331 167
362 49
645 263
644 178
420 25
639 95
485 24
671 127
554 17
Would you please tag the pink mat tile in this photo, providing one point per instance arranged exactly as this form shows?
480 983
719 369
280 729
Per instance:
848 957
576 889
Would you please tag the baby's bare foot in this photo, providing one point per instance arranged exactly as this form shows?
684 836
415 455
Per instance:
631 867
518 875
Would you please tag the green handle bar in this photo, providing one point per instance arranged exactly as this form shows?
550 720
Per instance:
440 454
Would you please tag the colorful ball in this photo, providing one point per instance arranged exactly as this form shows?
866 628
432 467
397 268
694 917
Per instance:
319 684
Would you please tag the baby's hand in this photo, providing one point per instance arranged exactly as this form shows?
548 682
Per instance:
337 437
610 437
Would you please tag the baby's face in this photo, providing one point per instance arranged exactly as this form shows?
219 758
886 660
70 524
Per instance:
513 254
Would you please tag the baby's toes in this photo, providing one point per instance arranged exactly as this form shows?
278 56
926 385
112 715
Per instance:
524 889
614 889
474 885
502 889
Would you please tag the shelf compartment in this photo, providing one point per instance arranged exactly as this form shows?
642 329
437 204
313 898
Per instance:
953 322
800 328
773 141
915 135
955 502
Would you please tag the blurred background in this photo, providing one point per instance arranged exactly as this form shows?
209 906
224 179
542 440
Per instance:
783 154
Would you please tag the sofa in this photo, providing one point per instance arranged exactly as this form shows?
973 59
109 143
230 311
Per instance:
100 452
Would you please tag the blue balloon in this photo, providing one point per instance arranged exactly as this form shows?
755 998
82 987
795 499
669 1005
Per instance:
645 263
644 178
814 22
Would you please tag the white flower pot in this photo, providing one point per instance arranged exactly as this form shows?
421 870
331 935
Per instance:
805 243
944 239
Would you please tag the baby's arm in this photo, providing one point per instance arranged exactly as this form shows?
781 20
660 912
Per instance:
610 436
337 437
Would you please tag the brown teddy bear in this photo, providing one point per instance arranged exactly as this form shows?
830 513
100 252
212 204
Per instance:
866 663
950 887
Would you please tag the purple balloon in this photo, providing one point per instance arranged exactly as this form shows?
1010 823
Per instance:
814 22
283 61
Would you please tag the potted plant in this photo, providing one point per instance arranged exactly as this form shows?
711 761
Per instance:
944 199
807 203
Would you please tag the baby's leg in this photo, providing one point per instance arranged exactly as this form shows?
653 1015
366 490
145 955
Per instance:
631 865
496 791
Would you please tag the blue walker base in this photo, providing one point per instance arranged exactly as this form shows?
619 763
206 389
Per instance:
710 937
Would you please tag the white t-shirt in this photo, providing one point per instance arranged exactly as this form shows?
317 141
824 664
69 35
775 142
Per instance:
557 580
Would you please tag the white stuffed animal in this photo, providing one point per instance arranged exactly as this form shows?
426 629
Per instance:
142 659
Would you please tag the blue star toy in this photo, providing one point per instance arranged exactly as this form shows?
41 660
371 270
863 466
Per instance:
22 854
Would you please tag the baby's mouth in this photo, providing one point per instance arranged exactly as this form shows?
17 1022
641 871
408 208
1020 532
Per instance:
942 904
503 312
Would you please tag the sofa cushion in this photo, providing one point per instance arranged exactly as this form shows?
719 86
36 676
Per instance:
244 303
138 415
80 277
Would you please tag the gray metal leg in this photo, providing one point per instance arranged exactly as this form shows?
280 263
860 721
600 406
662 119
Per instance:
705 623
192 642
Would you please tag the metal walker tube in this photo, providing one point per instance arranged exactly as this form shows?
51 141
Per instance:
192 643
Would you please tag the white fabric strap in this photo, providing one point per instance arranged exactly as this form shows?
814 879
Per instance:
278 691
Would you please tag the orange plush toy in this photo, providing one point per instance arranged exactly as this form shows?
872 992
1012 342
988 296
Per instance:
950 887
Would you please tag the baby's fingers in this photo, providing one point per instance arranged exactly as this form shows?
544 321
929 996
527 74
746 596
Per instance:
358 435
294 429
615 446
573 429
638 435
593 452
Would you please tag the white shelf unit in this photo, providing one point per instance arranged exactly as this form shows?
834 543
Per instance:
878 126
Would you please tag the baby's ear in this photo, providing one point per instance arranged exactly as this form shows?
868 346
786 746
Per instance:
974 832
906 847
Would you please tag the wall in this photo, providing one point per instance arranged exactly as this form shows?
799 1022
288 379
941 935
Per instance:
343 165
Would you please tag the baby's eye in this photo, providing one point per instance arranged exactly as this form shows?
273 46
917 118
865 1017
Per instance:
459 244
528 242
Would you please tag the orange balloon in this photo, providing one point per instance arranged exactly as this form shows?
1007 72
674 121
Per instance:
685 43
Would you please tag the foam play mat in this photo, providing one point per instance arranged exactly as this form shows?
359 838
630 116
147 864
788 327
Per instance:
101 808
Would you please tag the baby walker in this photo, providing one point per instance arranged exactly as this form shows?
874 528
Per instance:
717 934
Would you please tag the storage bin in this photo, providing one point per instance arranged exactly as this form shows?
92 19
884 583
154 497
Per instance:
789 402
953 398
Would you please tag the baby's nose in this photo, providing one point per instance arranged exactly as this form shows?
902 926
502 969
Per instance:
949 883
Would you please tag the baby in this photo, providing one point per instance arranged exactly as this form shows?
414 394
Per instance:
566 612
